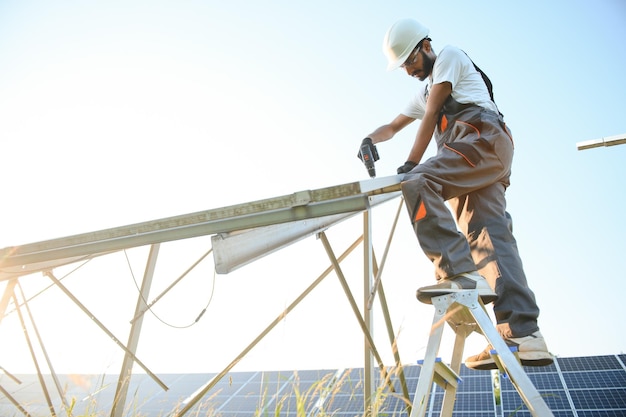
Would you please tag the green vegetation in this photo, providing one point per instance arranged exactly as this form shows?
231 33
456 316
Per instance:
322 398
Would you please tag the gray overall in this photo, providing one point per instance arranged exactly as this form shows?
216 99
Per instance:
471 172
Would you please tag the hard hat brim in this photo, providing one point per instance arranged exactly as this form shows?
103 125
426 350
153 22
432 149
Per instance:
401 39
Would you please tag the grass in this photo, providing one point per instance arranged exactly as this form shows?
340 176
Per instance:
325 397
315 396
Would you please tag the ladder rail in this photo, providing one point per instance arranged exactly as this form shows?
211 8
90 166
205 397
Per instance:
465 313
427 373
509 364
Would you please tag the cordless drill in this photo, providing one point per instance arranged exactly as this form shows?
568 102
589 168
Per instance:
368 154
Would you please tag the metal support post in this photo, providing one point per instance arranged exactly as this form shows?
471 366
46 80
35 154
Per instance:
368 370
8 292
53 374
378 288
123 381
369 341
42 383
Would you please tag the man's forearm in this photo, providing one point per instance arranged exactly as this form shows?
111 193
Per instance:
382 134
422 139
386 132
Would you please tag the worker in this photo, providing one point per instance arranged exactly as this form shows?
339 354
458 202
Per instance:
471 243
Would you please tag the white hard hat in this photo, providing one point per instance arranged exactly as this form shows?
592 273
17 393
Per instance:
400 40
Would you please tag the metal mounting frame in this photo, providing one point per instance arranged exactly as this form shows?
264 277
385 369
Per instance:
280 221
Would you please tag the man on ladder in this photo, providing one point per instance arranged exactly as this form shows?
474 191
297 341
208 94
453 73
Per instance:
471 172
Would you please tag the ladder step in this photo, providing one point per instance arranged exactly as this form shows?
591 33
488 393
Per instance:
444 375
513 350
499 364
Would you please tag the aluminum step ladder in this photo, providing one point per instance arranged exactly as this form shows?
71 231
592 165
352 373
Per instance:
465 313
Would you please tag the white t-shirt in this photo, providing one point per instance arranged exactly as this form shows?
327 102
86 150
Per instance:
454 66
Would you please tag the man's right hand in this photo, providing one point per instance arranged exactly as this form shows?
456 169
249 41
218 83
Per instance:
372 147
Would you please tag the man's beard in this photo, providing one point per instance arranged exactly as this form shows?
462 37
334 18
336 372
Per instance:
428 64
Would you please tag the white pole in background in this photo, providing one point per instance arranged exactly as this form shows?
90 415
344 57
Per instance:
596 143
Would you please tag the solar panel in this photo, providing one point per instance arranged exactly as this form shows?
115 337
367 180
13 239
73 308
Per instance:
601 413
555 399
594 380
482 381
468 403
599 399
589 363
583 386
594 386
546 381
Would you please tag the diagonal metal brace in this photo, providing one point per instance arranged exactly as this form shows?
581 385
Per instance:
355 308
67 292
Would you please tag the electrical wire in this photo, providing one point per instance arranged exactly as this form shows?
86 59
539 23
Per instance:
156 315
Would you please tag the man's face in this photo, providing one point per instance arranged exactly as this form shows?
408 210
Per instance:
419 64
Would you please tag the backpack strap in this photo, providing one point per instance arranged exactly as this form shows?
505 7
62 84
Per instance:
486 80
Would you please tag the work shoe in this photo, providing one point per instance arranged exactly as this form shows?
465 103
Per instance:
532 351
461 282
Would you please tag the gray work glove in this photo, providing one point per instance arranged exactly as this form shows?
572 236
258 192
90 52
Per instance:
407 167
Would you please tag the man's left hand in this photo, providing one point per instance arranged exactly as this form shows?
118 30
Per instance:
407 167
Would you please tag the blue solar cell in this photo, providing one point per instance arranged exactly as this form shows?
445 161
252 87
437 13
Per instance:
541 381
345 403
556 400
601 379
470 402
563 413
526 413
540 369
602 413
483 382
599 399
546 381
589 363
467 372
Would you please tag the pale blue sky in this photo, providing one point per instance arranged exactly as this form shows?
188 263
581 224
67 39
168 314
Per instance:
119 112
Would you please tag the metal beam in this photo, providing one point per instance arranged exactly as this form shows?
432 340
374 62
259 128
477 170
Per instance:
346 198
235 249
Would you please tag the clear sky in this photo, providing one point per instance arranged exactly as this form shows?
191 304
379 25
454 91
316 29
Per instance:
119 112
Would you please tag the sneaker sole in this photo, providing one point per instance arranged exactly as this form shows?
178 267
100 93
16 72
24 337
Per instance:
526 358
487 296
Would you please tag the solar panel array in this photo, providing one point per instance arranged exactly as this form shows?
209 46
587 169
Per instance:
578 386
581 386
